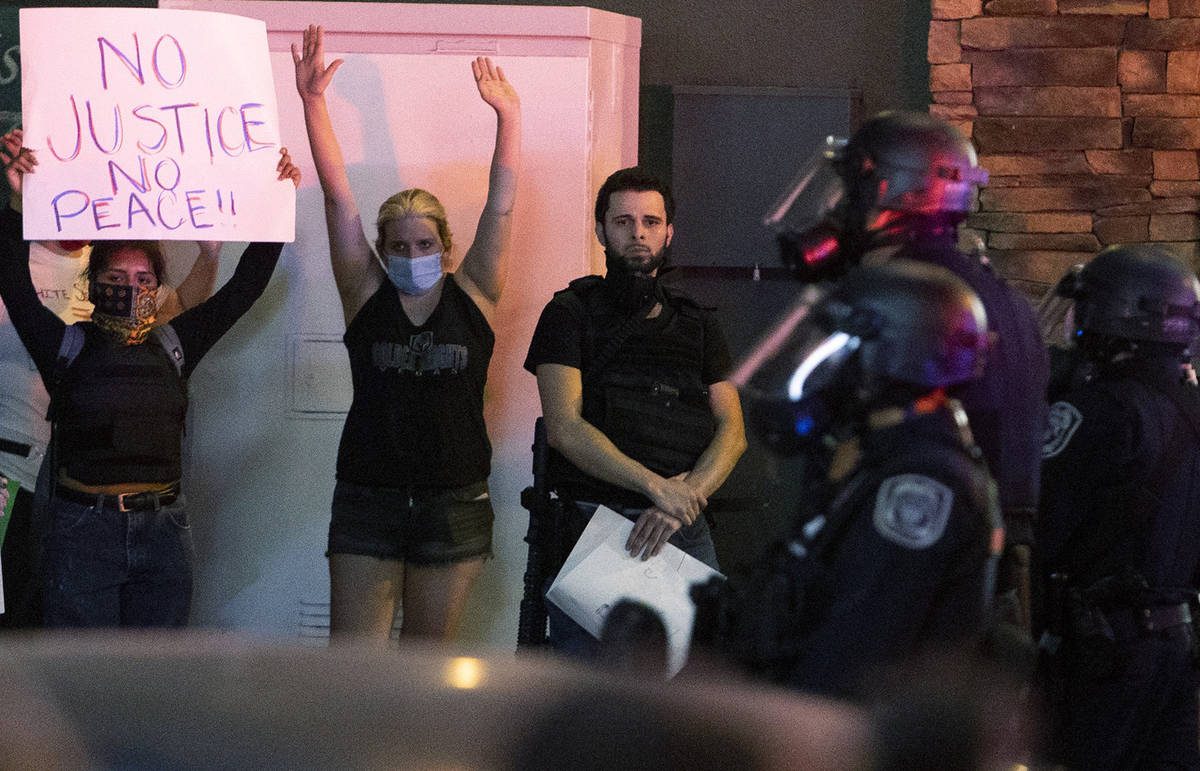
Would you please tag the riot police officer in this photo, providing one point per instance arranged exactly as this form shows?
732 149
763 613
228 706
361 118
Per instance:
1118 541
891 554
899 189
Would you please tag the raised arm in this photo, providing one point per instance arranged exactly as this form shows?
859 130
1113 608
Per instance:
355 272
200 327
39 329
198 285
484 263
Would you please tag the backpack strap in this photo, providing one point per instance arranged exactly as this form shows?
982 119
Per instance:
168 338
68 349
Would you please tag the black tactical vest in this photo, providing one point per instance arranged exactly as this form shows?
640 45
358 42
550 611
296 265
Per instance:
119 414
642 386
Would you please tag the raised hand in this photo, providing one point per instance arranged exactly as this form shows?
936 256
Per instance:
18 160
494 88
287 169
312 76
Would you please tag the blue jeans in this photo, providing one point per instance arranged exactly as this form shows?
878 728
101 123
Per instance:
103 567
570 638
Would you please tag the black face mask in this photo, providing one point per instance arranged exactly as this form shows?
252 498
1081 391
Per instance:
631 291
124 313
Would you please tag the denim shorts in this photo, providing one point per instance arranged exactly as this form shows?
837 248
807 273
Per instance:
417 524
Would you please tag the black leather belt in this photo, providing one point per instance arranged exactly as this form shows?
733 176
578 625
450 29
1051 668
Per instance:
1139 622
145 501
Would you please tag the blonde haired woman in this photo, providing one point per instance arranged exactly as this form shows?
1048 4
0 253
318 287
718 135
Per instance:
412 523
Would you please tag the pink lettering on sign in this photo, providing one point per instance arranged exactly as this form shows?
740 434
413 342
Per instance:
169 128
131 209
169 63
134 65
170 156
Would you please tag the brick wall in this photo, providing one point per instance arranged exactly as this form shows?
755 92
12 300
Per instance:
1087 115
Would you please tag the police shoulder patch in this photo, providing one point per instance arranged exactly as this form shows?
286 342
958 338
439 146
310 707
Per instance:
1061 423
912 510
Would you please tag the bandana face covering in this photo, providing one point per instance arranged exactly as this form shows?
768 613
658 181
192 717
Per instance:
123 313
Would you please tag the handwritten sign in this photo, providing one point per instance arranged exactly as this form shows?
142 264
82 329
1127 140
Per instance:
157 124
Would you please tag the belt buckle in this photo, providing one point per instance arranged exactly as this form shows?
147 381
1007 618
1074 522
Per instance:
121 502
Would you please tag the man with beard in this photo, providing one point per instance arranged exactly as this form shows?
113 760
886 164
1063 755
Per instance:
632 374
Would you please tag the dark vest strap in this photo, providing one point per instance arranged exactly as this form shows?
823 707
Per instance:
68 349
168 338
15 448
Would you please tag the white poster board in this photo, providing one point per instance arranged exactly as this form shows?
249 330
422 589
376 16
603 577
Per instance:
151 124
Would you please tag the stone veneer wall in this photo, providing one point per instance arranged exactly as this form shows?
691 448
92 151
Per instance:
1087 115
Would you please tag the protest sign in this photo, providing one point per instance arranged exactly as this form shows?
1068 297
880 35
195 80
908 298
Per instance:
156 124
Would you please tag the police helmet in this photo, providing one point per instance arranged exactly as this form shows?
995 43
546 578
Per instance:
910 162
1135 292
917 323
885 332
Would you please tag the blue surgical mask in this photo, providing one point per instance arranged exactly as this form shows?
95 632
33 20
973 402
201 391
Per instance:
413 275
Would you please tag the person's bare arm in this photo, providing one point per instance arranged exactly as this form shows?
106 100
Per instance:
728 442
355 270
484 264
198 284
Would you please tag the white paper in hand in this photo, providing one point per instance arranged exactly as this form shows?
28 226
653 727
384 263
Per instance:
599 572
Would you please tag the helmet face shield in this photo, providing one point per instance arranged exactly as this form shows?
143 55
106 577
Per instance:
802 218
914 163
819 367
879 338
813 193
787 359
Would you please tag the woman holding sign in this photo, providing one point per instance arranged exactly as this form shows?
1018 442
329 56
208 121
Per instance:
116 545
412 522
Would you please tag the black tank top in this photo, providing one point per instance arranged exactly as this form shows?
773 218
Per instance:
417 414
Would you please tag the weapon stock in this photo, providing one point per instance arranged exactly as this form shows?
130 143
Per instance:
531 625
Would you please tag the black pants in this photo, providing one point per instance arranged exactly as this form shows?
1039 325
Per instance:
1142 716
22 598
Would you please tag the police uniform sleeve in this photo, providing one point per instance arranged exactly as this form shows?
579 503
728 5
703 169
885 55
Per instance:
909 572
558 337
1088 438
